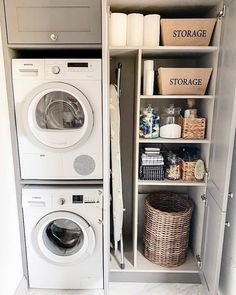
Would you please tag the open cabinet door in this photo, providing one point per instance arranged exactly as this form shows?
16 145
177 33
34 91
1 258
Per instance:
225 112
221 154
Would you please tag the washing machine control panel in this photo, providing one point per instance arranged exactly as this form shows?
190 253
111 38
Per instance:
77 198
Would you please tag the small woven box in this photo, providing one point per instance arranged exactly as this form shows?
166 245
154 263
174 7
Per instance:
167 218
194 128
188 169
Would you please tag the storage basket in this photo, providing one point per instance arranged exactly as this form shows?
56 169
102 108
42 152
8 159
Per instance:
194 128
148 172
187 32
183 80
188 169
167 218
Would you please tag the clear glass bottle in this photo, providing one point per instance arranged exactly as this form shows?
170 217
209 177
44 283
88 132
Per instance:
173 167
171 122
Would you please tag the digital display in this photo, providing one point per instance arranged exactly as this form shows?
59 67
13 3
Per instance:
78 199
77 65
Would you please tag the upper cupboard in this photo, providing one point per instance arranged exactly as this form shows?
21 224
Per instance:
51 22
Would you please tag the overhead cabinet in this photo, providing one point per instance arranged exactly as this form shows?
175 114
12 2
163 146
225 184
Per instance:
53 22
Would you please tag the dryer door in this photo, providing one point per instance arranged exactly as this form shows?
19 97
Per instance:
63 237
58 115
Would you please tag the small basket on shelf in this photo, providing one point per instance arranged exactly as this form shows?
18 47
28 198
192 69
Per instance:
167 218
151 165
193 128
193 171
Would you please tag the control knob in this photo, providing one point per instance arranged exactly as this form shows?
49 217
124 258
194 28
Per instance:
62 201
56 70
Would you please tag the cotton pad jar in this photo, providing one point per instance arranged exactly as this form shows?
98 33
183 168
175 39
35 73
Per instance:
171 122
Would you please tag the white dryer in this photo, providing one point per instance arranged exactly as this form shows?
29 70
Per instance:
59 117
63 231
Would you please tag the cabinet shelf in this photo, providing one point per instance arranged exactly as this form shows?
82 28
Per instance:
162 50
177 96
178 140
144 265
167 182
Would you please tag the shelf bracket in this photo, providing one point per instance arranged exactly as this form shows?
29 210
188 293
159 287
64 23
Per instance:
222 12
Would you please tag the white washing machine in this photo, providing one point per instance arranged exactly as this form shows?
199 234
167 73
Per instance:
63 231
59 117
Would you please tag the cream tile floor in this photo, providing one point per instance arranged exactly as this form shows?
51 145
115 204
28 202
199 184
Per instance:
131 289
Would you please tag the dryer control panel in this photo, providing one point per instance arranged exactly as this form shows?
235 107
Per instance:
79 69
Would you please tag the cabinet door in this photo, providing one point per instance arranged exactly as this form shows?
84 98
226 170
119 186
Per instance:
221 154
53 21
214 224
225 112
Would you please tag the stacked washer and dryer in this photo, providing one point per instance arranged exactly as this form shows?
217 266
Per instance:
58 105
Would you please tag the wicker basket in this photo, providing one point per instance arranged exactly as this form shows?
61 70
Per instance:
188 169
149 172
166 228
194 128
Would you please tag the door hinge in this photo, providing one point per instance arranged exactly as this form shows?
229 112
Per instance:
204 199
207 173
199 261
222 12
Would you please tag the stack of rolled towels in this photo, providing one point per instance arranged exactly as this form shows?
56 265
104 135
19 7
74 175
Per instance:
134 29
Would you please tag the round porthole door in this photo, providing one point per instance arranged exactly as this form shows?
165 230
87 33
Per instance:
63 237
58 115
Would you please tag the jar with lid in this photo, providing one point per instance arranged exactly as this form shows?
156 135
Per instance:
173 166
171 122
149 123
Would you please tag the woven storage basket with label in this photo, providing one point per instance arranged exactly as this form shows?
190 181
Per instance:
167 218
193 81
194 128
187 32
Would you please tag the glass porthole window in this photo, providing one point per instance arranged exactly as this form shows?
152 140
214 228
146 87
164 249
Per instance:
63 237
59 110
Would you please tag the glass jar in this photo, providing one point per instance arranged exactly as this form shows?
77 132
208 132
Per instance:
171 122
173 167
149 123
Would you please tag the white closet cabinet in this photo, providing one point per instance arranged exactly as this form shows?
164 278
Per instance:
218 106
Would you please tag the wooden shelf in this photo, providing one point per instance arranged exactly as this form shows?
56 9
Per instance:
177 96
178 140
167 182
162 50
122 51
144 265
178 50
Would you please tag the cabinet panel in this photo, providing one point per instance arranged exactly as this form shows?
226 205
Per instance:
225 112
214 221
56 22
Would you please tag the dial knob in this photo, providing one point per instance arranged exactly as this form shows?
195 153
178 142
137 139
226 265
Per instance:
62 201
53 37
56 70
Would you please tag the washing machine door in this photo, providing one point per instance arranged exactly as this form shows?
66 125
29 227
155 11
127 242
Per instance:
63 237
58 115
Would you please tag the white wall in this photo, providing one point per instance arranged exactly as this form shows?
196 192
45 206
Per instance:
11 271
